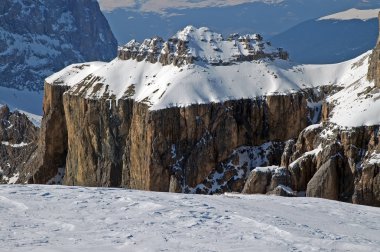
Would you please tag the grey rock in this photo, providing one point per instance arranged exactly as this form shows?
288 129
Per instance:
38 38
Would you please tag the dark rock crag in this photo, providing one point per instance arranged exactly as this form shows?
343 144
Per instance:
18 139
374 68
39 38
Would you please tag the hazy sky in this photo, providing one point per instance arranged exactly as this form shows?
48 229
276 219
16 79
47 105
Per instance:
161 5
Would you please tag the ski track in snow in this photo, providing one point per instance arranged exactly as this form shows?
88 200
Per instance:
56 218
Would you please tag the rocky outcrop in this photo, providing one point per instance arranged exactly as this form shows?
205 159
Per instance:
374 68
338 163
18 140
191 149
177 51
52 141
39 38
268 180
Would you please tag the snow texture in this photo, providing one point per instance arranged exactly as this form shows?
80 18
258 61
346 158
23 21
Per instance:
353 14
57 219
358 103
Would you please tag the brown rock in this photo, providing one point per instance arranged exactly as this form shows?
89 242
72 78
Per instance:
374 66
367 186
52 142
324 183
258 181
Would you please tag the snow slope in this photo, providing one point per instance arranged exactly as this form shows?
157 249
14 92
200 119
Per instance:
353 14
359 102
55 218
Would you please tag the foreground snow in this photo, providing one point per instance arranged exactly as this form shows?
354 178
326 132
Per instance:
54 218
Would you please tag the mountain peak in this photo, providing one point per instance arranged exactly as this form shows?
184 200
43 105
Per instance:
201 45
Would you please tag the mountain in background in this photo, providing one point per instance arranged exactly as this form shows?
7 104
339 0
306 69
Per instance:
38 38
331 39
141 19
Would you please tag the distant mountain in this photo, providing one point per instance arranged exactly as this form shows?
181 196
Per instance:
331 39
141 19
38 38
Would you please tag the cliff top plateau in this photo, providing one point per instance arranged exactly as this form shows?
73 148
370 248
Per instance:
198 66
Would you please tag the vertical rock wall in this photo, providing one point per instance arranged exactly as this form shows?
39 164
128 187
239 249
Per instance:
374 68
52 143
126 144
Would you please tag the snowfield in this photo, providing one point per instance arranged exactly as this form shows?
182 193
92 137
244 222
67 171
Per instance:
353 14
56 218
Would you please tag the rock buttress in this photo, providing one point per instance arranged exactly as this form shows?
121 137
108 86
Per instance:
52 143
126 144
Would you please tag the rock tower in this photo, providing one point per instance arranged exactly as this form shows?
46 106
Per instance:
374 66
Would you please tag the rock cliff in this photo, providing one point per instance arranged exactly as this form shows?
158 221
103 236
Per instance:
38 38
374 68
187 124
18 139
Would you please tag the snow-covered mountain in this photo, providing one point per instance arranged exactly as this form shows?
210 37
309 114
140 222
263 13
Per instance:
199 66
38 38
54 218
203 113
331 39
142 19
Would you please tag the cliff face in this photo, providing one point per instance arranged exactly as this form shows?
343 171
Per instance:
128 145
52 142
39 38
374 68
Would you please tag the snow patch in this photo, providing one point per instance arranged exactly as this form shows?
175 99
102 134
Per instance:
353 14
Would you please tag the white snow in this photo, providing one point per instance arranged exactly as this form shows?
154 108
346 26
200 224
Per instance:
57 219
353 14
358 103
267 168
374 158
13 179
19 145
73 74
